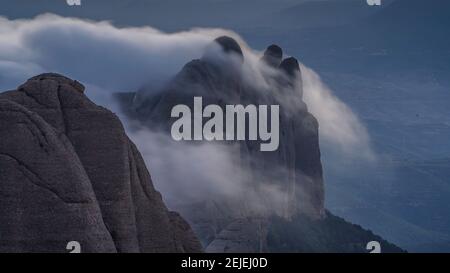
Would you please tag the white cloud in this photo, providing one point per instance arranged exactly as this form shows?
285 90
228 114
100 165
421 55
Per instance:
109 59
340 128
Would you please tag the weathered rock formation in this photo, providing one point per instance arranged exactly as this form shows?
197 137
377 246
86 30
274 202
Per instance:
295 169
68 172
273 56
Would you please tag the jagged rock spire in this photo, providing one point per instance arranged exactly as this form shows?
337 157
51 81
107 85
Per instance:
290 66
273 55
229 45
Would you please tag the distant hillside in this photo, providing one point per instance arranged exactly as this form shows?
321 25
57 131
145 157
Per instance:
403 34
330 235
412 24
322 13
408 13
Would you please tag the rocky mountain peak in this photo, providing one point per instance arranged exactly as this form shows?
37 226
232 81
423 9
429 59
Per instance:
229 45
273 55
295 168
56 78
290 66
70 173
225 53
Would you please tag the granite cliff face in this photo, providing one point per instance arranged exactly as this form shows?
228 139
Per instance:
294 169
70 173
218 80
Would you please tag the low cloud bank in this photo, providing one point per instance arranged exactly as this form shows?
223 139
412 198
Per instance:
108 59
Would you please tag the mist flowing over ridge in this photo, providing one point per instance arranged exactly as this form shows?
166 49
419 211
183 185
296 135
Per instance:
108 59
388 63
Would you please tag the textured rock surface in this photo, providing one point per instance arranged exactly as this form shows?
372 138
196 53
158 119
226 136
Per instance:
298 157
70 173
295 168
